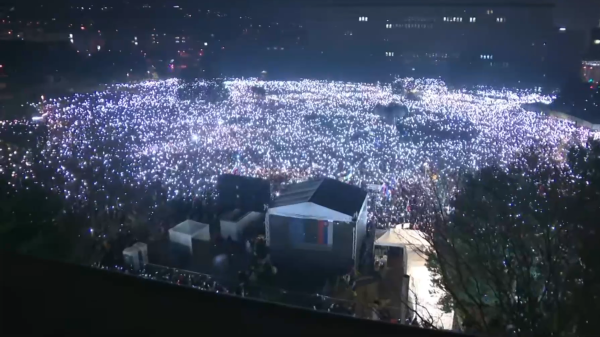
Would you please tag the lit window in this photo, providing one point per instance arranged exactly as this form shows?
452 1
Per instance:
389 53
596 41
500 19
388 25
363 18
472 19
490 11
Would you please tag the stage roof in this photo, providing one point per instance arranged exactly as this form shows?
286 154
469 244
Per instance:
329 193
399 237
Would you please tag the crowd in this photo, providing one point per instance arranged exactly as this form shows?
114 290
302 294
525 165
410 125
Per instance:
148 133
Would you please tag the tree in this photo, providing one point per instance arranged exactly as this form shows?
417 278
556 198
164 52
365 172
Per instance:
30 219
583 210
516 250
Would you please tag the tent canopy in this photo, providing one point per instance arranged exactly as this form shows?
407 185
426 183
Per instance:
189 227
399 237
341 198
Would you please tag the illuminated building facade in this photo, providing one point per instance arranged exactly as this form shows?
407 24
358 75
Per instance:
591 64
434 39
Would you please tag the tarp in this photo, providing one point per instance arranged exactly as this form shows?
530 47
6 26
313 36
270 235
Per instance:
399 237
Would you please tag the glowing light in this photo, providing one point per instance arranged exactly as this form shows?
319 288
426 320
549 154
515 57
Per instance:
164 133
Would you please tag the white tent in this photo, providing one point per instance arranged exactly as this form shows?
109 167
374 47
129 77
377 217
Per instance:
323 199
423 297
404 238
136 255
183 233
234 222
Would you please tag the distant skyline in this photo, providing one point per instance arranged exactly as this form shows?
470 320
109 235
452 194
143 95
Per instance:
577 14
574 14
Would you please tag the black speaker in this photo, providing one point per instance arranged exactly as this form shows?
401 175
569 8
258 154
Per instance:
245 193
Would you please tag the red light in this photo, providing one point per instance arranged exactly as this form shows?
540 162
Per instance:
1 66
82 28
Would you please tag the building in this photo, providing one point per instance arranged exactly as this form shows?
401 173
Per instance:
594 43
591 63
150 307
4 92
233 223
429 38
317 224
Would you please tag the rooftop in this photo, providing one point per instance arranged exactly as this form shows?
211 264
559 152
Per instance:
43 296
329 193
234 215
189 227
